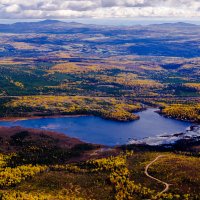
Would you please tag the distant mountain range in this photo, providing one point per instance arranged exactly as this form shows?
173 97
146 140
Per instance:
167 39
177 24
56 26
46 26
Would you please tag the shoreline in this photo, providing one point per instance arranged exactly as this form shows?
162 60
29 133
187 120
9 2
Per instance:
15 119
191 133
179 119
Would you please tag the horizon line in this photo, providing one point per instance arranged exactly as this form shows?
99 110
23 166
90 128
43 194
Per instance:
107 21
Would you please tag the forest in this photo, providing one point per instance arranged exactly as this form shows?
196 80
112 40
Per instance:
131 83
32 163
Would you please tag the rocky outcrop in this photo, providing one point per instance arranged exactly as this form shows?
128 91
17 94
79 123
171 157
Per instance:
191 133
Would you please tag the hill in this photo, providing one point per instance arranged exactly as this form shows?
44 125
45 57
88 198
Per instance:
42 165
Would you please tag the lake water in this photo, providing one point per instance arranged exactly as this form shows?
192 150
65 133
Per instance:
96 130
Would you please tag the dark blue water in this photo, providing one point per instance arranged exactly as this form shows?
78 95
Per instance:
101 131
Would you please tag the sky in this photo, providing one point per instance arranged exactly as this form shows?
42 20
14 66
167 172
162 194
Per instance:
100 9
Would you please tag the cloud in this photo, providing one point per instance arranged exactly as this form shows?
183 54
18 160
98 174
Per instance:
98 8
12 8
124 3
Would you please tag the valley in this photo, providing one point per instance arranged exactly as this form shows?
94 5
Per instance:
85 109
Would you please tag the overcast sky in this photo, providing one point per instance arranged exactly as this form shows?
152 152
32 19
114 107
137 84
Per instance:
63 9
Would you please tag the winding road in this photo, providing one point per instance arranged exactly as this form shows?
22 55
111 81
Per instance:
164 183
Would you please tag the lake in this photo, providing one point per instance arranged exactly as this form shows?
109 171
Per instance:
96 130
